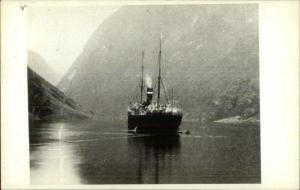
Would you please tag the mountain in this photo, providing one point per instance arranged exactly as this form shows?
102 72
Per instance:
48 102
209 55
39 65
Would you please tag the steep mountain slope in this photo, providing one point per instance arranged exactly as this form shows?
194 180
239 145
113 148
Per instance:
48 102
210 59
39 65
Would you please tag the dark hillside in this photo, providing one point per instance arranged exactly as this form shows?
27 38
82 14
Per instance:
48 102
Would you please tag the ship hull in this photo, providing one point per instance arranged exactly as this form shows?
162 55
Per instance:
154 122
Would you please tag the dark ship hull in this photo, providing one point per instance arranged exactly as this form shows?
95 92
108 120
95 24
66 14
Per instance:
153 117
155 122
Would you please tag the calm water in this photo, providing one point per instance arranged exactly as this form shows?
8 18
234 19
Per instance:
94 152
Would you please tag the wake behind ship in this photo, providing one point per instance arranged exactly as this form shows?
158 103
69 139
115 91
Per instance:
152 116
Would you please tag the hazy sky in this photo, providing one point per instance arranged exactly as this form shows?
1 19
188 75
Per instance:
58 34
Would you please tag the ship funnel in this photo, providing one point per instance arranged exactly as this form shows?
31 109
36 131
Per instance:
149 95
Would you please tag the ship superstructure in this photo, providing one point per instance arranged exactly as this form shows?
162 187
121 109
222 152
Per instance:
153 116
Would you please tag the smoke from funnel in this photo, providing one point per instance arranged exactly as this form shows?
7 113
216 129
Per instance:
148 81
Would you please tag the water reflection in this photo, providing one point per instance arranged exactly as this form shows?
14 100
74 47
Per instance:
53 161
94 152
154 157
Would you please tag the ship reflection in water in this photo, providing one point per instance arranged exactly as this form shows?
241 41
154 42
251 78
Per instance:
154 157
93 152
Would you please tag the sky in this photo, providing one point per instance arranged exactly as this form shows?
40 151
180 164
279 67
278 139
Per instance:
59 34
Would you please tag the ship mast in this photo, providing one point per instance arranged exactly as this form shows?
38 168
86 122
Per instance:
142 78
159 70
172 104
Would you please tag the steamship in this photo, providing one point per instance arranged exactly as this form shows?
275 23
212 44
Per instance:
148 115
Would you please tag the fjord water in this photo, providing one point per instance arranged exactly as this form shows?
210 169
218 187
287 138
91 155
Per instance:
99 152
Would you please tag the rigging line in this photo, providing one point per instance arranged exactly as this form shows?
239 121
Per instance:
164 65
154 88
136 92
165 91
142 77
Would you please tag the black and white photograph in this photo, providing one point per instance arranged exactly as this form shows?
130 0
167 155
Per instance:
157 94
149 94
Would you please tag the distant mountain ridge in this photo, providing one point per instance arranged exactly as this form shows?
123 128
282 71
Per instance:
39 65
210 59
45 101
48 102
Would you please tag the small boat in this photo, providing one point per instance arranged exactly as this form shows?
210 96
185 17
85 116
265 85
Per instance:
152 116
